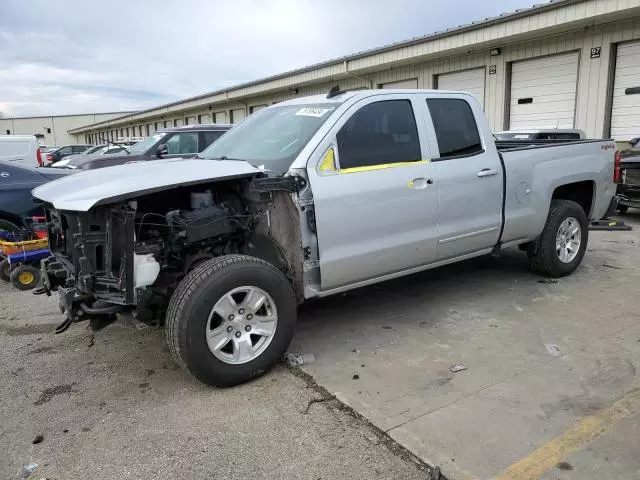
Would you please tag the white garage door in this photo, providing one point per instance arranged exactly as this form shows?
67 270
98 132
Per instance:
413 83
470 81
543 92
220 117
237 115
255 108
625 113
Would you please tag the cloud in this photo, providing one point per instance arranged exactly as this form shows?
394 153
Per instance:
73 56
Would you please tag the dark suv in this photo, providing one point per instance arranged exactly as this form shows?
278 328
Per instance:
59 153
185 142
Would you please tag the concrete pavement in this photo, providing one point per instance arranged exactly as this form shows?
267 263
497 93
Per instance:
540 357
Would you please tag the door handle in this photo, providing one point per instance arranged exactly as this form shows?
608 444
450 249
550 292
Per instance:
420 183
487 172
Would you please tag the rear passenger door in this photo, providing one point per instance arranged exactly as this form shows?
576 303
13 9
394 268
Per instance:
470 178
374 198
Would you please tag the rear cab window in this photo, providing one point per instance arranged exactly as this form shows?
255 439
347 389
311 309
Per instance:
455 127
377 135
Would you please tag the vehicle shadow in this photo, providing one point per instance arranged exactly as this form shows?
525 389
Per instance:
432 291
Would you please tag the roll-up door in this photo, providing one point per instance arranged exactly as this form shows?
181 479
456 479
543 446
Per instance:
543 92
412 83
470 81
625 110
237 115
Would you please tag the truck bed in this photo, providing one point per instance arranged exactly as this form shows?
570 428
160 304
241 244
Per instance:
533 172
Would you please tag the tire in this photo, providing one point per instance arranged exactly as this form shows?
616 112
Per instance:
622 209
191 309
8 226
543 256
5 270
25 277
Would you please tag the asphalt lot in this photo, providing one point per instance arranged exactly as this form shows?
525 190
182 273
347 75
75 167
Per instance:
550 390
114 405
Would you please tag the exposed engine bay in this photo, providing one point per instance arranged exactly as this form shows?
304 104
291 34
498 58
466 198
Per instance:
127 257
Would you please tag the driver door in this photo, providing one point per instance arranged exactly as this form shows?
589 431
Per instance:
374 192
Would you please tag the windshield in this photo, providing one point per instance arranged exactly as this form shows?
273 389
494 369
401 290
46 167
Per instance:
273 137
145 144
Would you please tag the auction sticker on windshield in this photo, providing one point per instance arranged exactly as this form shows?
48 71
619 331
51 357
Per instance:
313 112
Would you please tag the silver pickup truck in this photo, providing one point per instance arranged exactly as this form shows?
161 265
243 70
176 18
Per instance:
308 198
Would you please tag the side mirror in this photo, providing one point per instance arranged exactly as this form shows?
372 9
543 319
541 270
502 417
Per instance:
162 150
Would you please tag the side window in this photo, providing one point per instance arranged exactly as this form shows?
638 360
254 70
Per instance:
79 148
65 151
455 127
183 143
209 138
379 133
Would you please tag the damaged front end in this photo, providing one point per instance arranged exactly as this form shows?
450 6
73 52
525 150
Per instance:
122 238
104 259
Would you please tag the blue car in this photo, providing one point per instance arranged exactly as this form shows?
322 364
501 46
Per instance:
16 182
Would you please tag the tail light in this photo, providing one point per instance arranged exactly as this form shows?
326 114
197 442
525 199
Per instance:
617 172
49 157
39 157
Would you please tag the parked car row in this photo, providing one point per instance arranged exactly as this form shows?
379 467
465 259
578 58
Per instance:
20 155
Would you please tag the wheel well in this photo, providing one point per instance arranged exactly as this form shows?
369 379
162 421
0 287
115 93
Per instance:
579 192
7 217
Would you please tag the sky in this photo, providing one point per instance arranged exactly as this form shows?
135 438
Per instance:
86 56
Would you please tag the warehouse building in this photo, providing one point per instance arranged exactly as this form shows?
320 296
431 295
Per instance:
564 64
54 130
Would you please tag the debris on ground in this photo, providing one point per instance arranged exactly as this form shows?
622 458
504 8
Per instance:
27 470
547 280
356 377
316 400
553 349
612 266
458 367
298 359
38 439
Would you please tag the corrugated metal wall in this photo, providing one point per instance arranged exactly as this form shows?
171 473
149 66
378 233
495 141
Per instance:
593 102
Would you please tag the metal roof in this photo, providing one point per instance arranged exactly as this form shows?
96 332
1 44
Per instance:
125 112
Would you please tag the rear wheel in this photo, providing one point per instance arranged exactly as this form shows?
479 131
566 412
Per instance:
561 246
25 277
623 209
231 319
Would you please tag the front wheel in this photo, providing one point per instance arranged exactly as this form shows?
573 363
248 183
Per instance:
231 319
560 248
